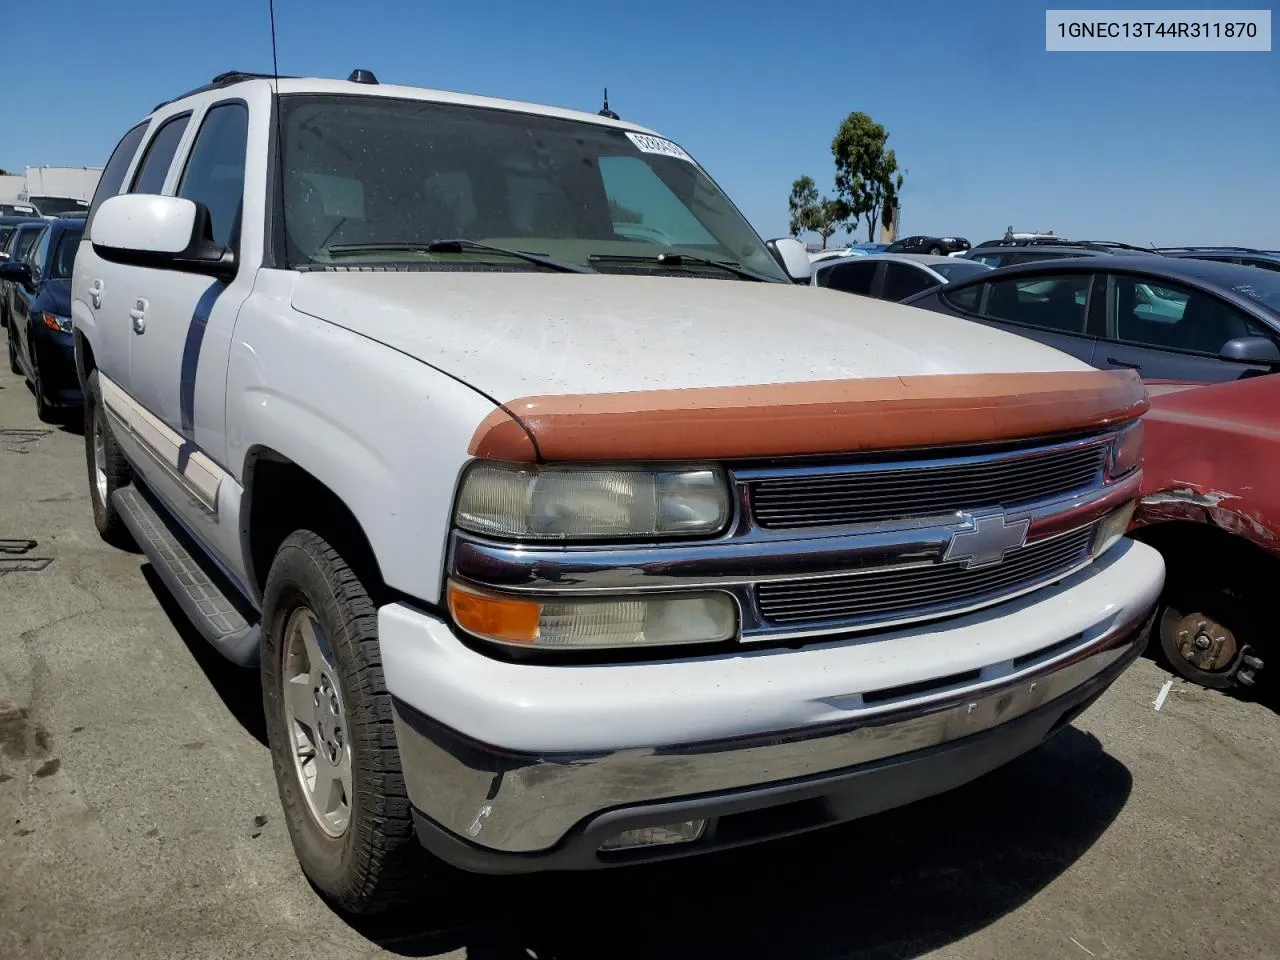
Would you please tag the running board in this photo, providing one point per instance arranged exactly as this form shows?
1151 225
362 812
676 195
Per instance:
205 597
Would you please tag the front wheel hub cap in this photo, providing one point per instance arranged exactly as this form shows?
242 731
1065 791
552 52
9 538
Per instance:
316 722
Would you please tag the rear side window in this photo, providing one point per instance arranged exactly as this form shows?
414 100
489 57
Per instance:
159 155
849 277
1055 302
22 244
966 299
112 178
901 281
215 169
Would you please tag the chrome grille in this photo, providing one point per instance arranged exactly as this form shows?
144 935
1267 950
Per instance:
927 489
915 592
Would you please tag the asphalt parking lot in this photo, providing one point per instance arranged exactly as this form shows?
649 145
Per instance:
139 819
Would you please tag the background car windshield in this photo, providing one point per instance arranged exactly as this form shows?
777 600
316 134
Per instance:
51 206
959 269
387 171
65 255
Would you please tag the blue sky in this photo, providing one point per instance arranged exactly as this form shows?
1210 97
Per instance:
992 130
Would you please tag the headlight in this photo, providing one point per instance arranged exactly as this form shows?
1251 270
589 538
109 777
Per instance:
1126 451
55 322
568 624
1111 528
592 503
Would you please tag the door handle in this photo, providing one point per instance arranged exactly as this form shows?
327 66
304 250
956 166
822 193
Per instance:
1123 363
95 293
139 315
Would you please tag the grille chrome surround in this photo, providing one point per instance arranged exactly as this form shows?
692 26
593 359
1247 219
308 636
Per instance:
868 571
922 590
877 492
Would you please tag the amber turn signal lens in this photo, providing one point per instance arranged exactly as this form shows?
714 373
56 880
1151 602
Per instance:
500 618
50 321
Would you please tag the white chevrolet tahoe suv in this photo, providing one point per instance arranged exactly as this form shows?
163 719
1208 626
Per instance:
564 527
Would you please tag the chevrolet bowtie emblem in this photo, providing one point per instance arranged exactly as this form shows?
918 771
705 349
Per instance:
987 543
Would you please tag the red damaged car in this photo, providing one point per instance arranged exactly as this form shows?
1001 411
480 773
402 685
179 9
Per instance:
1211 505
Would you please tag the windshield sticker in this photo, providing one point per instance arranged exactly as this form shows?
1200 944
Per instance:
649 144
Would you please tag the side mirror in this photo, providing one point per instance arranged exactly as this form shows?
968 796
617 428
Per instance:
792 257
147 230
1248 350
18 271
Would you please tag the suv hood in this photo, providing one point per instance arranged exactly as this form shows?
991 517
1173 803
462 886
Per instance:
513 334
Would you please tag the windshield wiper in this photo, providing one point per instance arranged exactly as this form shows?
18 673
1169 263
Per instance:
679 260
460 245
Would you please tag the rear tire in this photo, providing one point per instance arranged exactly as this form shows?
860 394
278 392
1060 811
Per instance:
108 469
13 351
329 725
937 251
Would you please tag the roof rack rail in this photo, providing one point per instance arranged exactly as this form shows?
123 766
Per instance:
1212 247
225 79
1063 242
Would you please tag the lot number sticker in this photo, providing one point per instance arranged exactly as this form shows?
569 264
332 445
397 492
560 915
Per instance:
649 144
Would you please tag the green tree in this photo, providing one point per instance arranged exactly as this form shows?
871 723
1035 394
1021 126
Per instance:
867 177
812 212
4 172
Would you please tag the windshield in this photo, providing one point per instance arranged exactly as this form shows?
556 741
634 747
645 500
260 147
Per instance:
1263 288
51 206
65 255
955 270
365 171
23 243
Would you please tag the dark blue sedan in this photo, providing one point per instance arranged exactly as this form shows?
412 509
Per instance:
39 330
1168 318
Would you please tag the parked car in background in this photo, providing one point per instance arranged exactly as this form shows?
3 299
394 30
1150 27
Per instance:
1211 506
534 598
15 250
10 223
40 344
16 209
1004 253
892 276
1266 259
853 250
937 246
1168 318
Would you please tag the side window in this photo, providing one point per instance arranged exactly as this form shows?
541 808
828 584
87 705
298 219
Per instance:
901 281
1174 317
965 299
159 155
850 277
642 207
1053 302
39 252
215 169
112 178
22 245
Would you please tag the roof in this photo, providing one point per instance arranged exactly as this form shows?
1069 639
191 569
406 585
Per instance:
295 85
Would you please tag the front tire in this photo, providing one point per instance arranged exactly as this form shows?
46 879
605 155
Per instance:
329 726
46 412
108 469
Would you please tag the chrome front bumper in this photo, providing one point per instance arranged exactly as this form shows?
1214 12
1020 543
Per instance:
495 810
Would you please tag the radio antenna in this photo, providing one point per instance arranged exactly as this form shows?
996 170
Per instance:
283 244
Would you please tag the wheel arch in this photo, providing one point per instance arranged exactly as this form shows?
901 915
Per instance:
281 496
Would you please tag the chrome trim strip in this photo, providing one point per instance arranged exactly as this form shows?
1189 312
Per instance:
199 476
523 803
718 563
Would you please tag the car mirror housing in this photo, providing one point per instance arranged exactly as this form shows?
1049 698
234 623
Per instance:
1251 350
792 257
149 230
